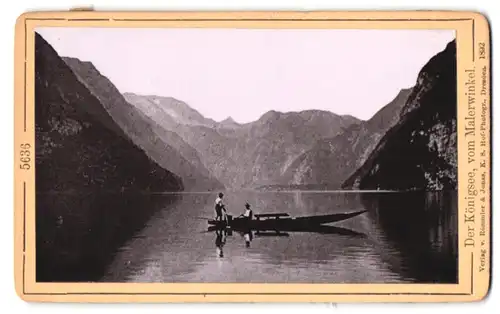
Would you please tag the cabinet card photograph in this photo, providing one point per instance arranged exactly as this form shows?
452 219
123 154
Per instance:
235 157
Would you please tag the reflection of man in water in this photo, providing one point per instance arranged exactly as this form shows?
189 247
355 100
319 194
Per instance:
219 242
248 237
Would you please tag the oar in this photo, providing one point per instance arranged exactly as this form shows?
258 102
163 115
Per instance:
205 218
207 231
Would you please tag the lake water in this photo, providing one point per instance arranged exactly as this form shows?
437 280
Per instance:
404 237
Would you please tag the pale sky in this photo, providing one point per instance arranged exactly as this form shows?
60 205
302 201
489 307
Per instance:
244 73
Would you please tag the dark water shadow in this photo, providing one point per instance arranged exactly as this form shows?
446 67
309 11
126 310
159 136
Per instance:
423 227
77 236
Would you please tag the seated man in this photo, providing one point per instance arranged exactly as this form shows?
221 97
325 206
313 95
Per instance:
248 212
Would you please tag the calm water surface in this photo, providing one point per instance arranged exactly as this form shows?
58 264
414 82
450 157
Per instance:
404 237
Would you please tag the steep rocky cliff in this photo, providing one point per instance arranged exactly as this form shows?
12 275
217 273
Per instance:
420 151
79 147
330 161
89 177
163 146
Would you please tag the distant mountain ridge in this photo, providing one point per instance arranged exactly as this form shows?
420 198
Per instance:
250 154
229 123
178 110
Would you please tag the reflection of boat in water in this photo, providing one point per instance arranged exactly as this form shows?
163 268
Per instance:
282 221
284 231
273 225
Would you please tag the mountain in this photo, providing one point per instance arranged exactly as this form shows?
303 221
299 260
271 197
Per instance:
79 147
229 123
149 108
161 145
330 161
420 151
277 139
162 107
90 177
251 154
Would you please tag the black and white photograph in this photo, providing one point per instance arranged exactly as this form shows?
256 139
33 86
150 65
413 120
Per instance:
233 155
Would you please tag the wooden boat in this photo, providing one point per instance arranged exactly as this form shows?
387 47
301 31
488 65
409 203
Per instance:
282 221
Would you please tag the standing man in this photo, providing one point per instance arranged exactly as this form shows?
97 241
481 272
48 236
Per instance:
219 207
